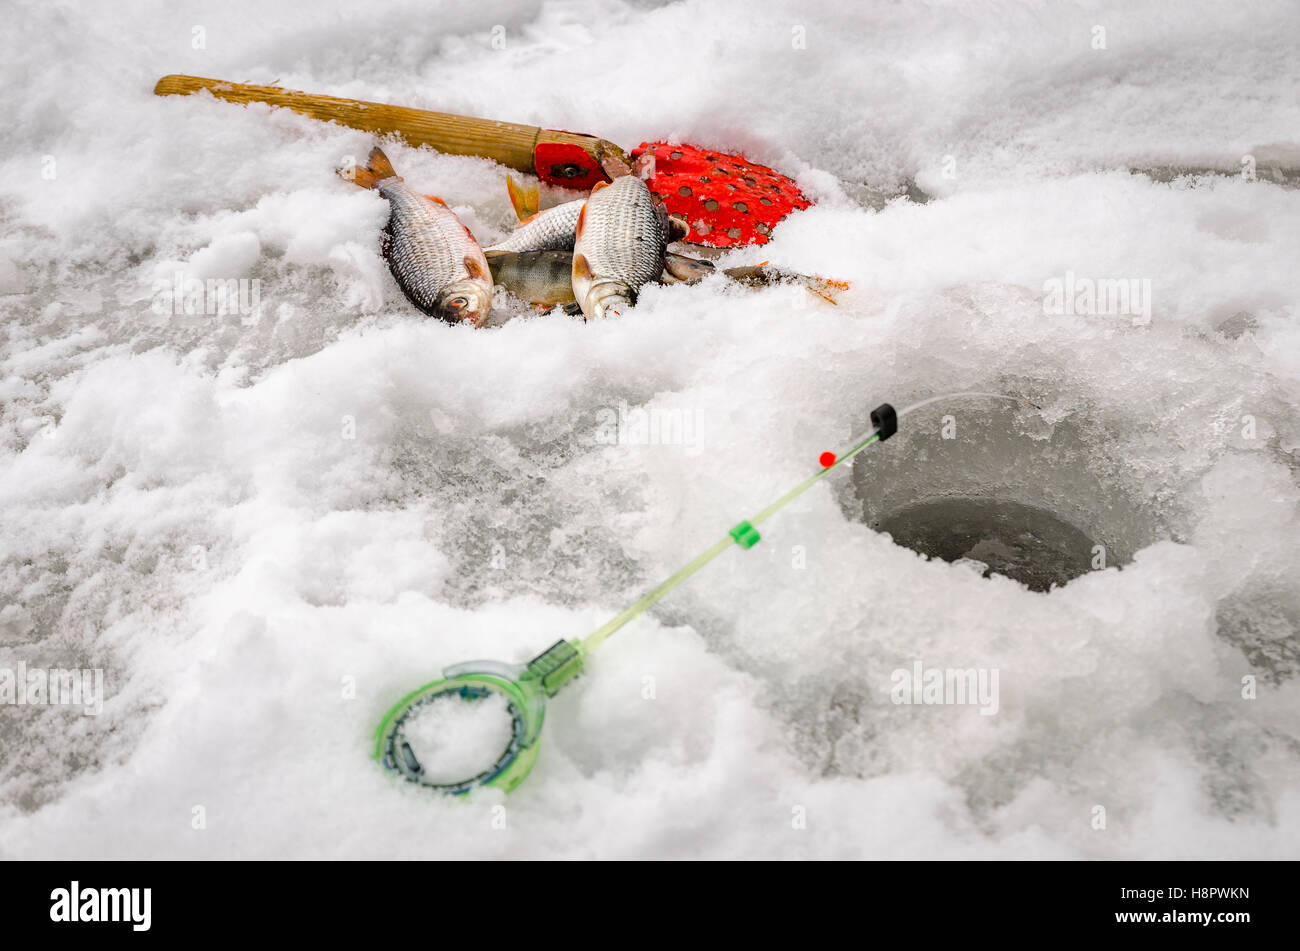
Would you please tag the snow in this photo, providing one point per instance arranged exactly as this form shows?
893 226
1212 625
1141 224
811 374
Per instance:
267 527
454 738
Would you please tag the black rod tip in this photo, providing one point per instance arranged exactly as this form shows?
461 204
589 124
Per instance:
885 420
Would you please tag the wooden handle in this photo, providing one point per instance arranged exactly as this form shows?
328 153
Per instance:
509 143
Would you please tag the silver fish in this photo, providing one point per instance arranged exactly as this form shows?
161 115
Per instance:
549 230
436 261
543 278
622 235
555 228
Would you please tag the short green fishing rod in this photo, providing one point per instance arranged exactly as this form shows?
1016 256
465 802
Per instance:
526 687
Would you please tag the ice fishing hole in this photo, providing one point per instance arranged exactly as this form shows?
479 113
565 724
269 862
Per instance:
1024 542
1037 502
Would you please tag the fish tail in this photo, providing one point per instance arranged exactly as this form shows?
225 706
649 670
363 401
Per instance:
371 174
524 200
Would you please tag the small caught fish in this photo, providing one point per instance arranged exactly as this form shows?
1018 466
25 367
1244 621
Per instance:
763 276
435 259
679 269
619 247
554 229
543 278
549 230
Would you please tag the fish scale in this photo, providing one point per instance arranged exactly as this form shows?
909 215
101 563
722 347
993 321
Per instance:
624 234
427 244
549 230
542 278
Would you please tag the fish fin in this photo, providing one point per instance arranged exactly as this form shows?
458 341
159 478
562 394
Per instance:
826 288
493 255
475 268
581 266
597 187
370 175
525 201
378 165
436 200
582 222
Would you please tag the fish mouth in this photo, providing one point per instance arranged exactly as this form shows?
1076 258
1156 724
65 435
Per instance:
463 303
609 299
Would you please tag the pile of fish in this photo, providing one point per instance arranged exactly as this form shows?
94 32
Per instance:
591 256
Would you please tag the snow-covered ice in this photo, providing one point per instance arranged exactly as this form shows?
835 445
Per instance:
269 525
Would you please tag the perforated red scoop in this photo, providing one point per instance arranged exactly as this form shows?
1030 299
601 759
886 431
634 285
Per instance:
727 200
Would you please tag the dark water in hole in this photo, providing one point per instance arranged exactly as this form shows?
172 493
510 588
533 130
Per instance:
1024 542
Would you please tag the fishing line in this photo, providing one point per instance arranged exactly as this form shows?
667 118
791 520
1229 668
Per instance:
526 687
